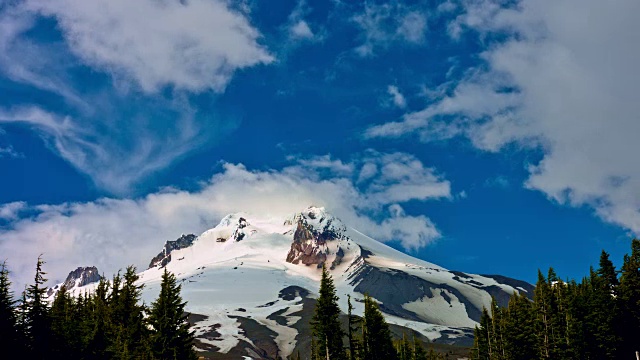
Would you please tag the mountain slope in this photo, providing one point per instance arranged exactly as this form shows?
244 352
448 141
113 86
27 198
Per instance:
251 280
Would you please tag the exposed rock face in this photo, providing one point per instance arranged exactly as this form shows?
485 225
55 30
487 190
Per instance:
164 257
238 233
307 247
314 230
79 277
82 276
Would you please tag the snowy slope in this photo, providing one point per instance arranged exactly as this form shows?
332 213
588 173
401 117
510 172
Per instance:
252 272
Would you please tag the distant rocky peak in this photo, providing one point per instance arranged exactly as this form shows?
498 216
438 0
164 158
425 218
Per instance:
164 257
82 276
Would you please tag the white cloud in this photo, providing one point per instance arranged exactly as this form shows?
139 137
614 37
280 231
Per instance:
298 28
115 133
382 25
301 30
10 211
572 65
192 45
396 96
112 233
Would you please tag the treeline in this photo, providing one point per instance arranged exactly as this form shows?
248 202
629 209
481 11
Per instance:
365 338
110 323
596 318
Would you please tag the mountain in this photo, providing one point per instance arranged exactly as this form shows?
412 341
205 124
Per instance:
250 283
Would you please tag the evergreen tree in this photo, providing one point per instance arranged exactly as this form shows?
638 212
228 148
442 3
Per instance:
129 333
519 331
37 321
171 337
8 319
629 302
325 322
418 351
64 329
404 348
377 340
352 324
97 323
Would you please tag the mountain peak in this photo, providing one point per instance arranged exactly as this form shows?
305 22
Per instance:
165 255
79 277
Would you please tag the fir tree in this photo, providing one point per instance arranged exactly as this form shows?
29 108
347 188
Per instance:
377 340
97 323
8 319
629 302
64 329
352 324
127 317
520 337
171 337
325 322
37 321
418 351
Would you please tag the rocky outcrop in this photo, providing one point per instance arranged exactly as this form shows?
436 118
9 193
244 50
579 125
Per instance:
164 257
307 248
238 233
81 276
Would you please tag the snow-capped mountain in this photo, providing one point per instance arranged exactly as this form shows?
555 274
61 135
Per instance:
250 283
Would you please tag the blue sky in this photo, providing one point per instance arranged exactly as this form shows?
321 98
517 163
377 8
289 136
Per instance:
485 136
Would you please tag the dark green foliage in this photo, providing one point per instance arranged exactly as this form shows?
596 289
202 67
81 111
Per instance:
325 322
103 325
8 319
65 329
377 340
629 300
595 319
171 338
352 325
37 321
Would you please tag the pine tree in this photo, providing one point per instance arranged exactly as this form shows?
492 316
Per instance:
8 319
127 318
64 329
37 321
171 337
629 302
378 342
352 325
97 323
325 322
520 337
418 351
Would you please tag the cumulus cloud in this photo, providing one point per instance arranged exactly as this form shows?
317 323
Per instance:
192 45
10 211
561 80
382 25
112 233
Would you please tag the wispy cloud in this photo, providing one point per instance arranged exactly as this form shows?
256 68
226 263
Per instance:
157 54
112 233
10 152
382 25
